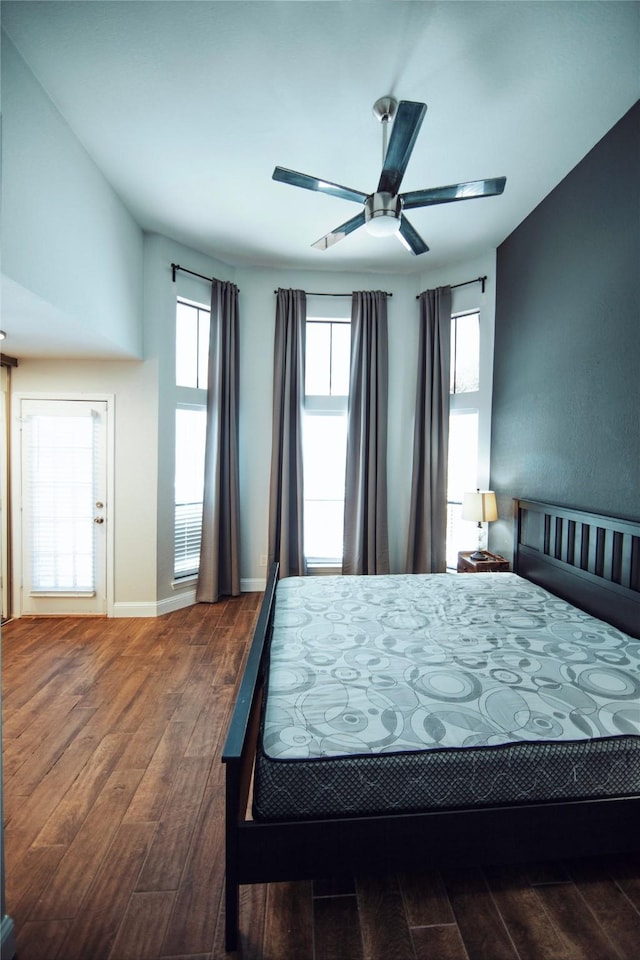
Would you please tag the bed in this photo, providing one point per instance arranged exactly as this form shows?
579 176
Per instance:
391 723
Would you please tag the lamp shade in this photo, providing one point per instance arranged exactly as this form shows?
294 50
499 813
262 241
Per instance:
479 506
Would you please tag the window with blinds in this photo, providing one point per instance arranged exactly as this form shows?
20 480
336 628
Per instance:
187 538
189 484
192 353
60 461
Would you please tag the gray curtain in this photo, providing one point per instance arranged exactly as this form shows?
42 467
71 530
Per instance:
426 551
366 538
220 549
286 505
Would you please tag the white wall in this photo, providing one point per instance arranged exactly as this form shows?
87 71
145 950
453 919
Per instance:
133 510
257 314
257 310
69 244
146 396
257 319
160 294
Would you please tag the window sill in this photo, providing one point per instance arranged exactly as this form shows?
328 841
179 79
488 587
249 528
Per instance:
184 582
62 593
318 569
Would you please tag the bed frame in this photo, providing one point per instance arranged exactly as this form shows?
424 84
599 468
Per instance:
591 560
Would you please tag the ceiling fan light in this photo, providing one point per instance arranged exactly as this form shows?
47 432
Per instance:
383 225
382 213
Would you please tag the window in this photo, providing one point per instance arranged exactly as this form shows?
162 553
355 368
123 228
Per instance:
325 438
60 457
465 353
192 344
464 417
191 424
192 354
463 469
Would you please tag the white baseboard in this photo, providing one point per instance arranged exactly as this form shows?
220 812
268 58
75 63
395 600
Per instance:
186 598
256 585
155 608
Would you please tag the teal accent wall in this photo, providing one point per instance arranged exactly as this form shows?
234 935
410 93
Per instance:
566 386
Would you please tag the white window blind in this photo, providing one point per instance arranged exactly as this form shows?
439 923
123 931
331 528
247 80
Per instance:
60 461
187 539
191 425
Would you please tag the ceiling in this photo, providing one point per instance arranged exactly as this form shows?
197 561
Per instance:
186 107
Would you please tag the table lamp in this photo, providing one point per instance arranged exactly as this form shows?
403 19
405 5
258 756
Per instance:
479 506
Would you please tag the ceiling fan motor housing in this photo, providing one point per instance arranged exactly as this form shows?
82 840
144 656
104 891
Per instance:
382 212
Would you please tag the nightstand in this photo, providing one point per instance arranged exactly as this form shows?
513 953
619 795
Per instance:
493 563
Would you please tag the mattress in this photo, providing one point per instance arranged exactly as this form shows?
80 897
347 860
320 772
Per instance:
409 692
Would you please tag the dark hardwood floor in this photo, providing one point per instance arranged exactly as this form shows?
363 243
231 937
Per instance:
114 823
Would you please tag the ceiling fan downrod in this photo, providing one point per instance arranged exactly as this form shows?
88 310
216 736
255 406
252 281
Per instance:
384 110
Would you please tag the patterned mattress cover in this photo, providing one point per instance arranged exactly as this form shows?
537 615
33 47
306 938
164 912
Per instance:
409 692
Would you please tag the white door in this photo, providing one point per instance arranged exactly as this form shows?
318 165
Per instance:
64 507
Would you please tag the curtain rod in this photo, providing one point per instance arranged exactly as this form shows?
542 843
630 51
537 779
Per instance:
465 283
176 266
311 293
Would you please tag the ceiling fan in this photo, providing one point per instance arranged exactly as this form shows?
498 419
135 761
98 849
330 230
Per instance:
383 212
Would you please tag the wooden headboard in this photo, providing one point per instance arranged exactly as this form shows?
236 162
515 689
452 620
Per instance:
591 560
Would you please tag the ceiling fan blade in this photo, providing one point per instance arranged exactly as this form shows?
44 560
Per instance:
456 191
321 186
411 238
406 126
340 232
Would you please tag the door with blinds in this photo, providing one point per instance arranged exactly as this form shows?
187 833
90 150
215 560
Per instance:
64 506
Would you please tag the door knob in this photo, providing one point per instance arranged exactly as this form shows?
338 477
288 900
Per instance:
98 519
